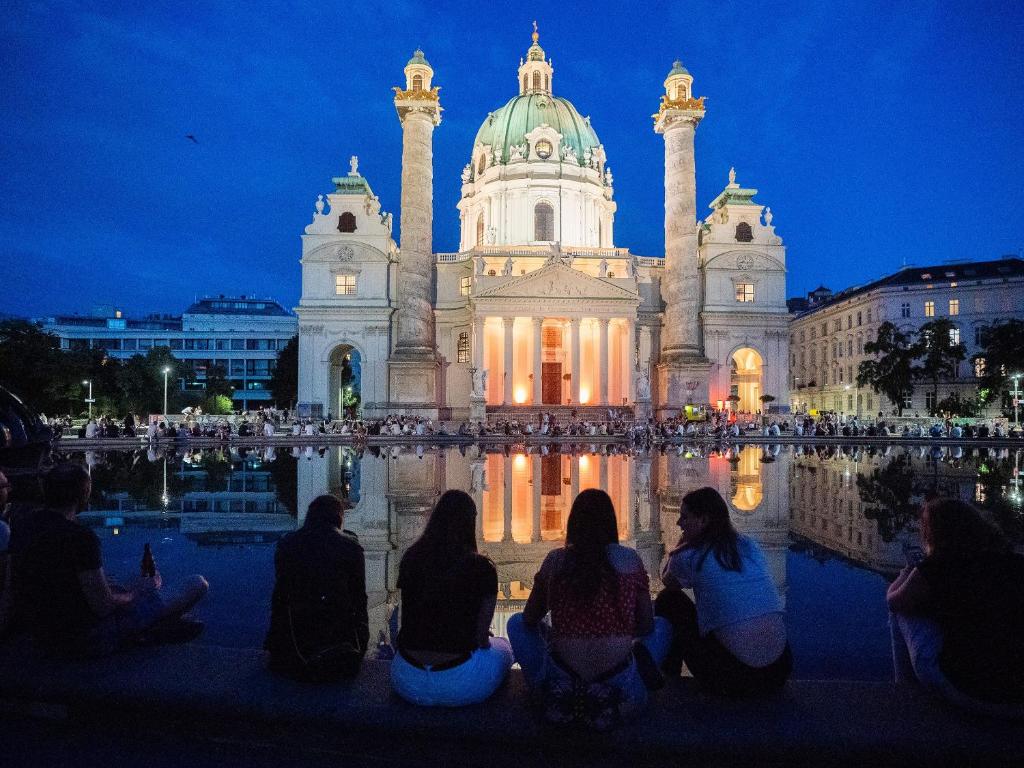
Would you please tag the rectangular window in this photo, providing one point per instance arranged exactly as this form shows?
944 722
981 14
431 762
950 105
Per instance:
465 285
979 367
237 344
345 285
462 348
190 344
977 335
908 401
954 306
954 336
905 309
859 318
929 309
869 315
222 344
929 401
849 402
175 344
745 292
238 367
849 347
128 344
849 322
145 344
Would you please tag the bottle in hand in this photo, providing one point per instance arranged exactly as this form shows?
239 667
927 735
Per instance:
148 563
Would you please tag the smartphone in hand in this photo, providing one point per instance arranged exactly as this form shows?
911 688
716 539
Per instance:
914 554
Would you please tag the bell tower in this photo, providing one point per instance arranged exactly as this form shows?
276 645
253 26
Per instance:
535 72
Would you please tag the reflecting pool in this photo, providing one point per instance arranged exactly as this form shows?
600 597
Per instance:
832 521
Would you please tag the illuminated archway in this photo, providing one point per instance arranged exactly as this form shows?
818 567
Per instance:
745 379
344 396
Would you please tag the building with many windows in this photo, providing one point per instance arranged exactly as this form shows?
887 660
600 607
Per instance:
240 334
828 331
539 308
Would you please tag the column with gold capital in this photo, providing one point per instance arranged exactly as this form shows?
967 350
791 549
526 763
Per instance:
414 366
682 370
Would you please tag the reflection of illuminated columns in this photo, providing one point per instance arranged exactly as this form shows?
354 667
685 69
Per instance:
574 330
478 343
602 473
507 501
537 378
507 323
574 476
629 352
602 361
537 499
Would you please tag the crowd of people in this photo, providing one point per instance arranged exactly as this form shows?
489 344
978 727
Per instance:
590 641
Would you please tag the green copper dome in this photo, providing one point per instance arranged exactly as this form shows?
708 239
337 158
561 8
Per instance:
417 58
509 125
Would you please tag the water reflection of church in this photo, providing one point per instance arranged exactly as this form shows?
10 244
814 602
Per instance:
524 501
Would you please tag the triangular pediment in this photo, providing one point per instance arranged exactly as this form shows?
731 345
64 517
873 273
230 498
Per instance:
557 281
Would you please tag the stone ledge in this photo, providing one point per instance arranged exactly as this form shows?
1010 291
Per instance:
809 721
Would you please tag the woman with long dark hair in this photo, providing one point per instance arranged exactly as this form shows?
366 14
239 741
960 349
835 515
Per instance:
603 641
958 616
445 655
731 635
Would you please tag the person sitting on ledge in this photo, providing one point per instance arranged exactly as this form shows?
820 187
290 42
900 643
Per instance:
603 640
957 618
319 627
446 657
733 639
62 594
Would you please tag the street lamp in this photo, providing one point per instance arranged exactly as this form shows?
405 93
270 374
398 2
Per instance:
89 399
167 370
1016 394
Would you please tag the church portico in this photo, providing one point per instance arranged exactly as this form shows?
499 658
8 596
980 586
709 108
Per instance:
565 359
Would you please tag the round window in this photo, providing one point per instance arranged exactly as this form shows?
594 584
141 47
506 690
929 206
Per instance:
544 149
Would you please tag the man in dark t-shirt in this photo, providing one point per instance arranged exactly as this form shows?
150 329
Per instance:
61 593
319 626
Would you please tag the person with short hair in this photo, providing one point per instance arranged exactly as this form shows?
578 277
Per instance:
319 626
957 617
731 635
446 656
62 593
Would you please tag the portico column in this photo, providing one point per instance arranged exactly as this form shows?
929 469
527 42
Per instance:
537 365
602 472
574 329
602 361
507 323
574 477
629 365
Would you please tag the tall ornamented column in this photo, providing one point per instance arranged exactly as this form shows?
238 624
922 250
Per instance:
538 499
414 367
683 371
574 330
478 343
602 361
537 361
507 350
506 533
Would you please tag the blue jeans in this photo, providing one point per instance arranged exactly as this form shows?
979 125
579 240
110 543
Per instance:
469 683
916 648
531 651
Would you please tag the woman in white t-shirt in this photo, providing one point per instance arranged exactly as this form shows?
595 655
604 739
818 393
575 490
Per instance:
731 635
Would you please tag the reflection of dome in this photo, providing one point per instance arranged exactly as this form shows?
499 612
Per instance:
509 125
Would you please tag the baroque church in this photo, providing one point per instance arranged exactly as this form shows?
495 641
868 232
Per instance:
539 307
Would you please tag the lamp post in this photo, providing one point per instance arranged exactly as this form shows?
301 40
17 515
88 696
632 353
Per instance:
1016 396
167 370
89 399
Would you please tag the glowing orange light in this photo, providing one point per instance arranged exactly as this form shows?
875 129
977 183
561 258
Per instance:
584 462
519 462
520 396
584 395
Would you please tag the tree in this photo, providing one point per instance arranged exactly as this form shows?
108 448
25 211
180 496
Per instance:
284 382
142 381
217 383
217 405
891 372
891 496
937 354
34 368
1002 354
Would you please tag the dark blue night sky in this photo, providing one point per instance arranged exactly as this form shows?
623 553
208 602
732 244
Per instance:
877 131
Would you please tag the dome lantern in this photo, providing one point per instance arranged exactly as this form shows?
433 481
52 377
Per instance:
418 73
678 83
535 73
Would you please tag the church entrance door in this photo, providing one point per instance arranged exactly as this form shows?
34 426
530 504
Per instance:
551 384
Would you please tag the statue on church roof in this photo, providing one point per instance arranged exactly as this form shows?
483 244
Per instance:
353 164
732 176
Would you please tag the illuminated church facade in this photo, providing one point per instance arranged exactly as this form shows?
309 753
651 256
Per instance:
539 308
